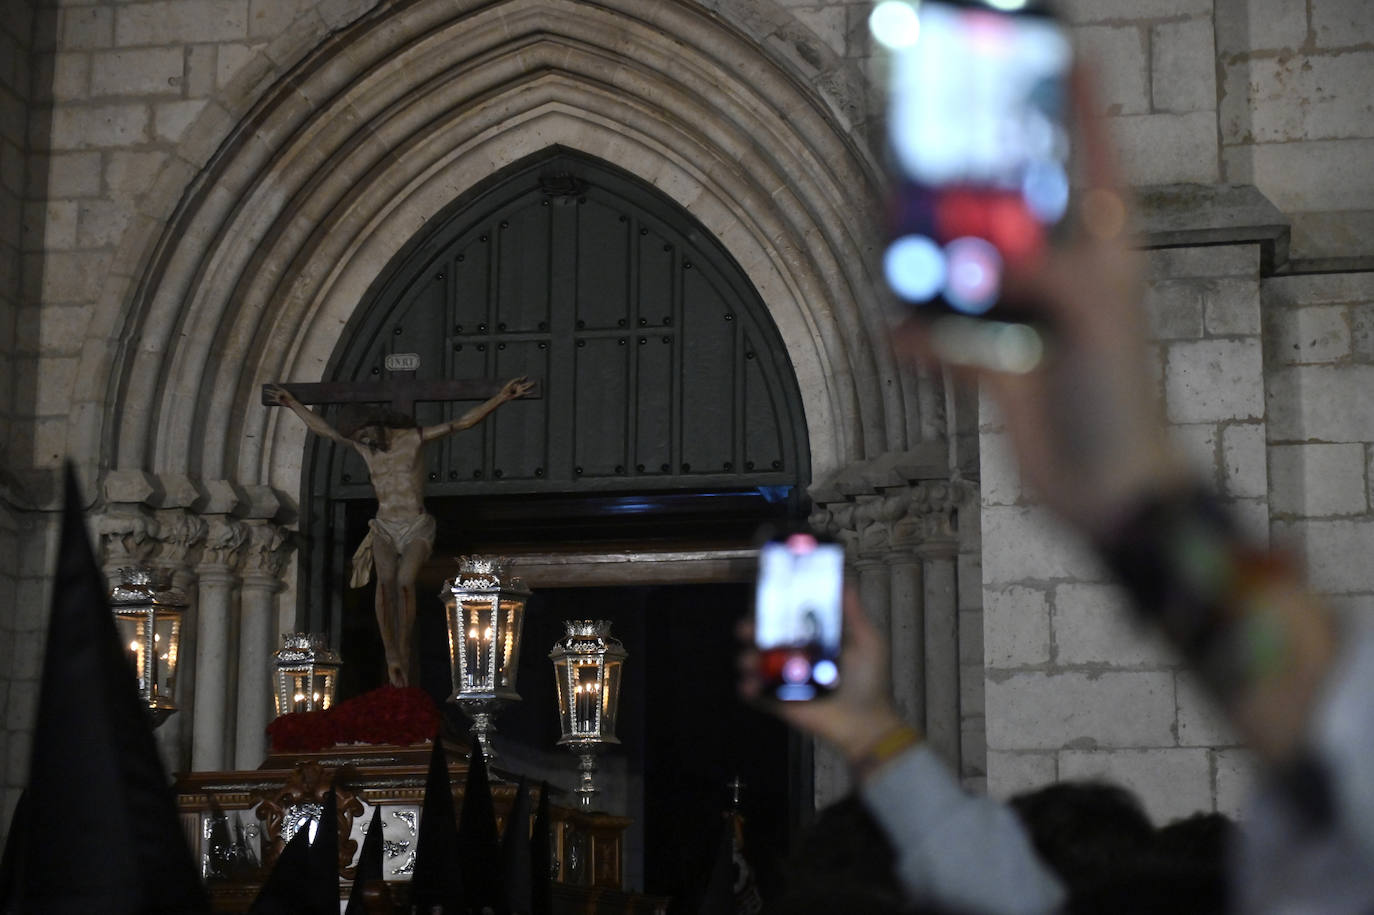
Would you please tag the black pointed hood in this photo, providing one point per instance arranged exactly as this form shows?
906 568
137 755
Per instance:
515 854
541 857
286 891
323 869
12 864
479 843
718 897
438 875
94 767
369 869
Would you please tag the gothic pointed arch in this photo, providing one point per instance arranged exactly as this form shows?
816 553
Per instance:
666 385
662 366
339 162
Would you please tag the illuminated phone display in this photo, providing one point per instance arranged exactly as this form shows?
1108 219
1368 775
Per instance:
977 144
797 615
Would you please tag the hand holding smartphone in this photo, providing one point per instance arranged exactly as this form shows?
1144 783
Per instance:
798 607
978 149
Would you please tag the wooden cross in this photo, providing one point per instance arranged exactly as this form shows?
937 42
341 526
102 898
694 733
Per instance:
402 391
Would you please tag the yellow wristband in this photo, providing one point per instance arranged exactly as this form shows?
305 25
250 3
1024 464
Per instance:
889 746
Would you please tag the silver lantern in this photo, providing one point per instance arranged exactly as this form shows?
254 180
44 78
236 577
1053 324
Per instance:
305 673
148 614
486 615
587 667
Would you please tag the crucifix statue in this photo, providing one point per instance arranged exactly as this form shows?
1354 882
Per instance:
392 443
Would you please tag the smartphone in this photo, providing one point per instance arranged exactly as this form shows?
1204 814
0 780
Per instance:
978 150
797 614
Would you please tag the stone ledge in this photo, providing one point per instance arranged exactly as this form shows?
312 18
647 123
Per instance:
1194 215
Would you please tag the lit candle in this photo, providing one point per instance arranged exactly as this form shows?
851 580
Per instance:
134 649
489 670
473 649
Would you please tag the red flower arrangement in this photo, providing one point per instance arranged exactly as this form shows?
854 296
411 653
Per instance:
391 715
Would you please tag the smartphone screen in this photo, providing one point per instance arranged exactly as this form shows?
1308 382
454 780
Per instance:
797 613
978 147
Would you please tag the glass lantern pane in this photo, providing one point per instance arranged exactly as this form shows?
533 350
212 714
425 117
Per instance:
513 620
165 633
454 626
300 691
283 693
563 686
131 643
611 699
587 699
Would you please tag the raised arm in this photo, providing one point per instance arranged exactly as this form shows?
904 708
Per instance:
281 397
513 389
953 849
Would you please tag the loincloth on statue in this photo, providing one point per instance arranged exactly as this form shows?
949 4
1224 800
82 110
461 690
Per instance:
397 534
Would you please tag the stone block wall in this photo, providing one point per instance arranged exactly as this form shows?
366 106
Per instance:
1295 119
1075 689
1154 78
115 89
1320 343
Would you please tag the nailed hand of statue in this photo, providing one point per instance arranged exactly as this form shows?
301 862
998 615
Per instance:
517 388
276 395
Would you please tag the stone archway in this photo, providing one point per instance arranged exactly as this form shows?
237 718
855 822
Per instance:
334 168
276 242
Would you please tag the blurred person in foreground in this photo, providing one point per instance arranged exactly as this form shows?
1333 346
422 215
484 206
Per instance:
1091 439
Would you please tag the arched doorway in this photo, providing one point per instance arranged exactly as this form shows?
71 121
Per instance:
670 411
671 425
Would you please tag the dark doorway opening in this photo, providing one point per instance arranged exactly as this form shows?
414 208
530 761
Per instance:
684 733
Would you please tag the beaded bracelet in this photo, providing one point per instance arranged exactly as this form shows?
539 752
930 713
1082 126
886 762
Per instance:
1189 571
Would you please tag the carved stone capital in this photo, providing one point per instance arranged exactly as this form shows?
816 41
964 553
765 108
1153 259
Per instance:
179 535
224 540
935 508
918 516
878 516
266 550
128 535
838 521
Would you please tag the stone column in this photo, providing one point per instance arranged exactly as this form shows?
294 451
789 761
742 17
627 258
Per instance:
214 646
829 772
264 559
908 612
897 515
934 504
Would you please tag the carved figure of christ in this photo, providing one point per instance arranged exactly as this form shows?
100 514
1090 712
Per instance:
401 536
